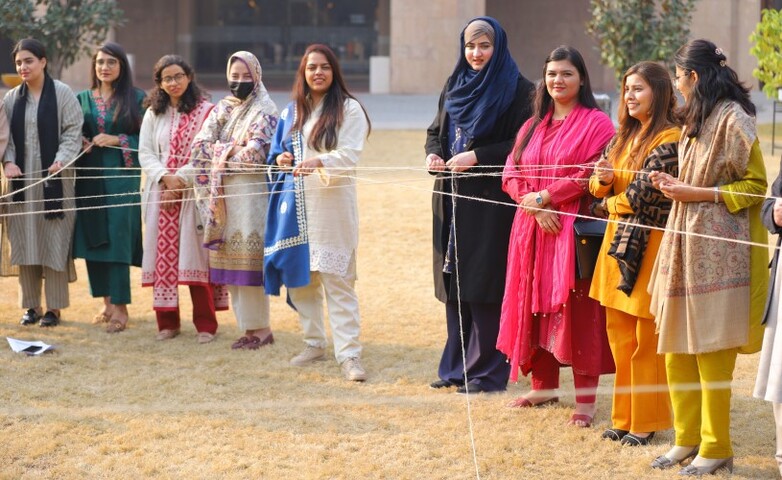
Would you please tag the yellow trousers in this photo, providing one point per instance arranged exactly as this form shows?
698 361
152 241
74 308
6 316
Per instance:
641 400
700 394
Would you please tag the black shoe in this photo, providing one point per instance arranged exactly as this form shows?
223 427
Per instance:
30 317
636 441
441 384
614 434
50 319
474 388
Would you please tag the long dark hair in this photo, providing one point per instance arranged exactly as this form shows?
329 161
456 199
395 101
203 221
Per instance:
716 81
662 114
33 46
158 100
126 111
543 101
324 133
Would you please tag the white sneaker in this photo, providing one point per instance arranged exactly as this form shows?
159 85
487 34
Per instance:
353 370
308 355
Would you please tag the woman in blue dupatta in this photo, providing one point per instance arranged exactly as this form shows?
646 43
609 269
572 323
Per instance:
482 106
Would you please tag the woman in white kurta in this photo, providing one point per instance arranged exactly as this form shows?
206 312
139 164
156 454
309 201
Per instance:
173 244
40 225
333 127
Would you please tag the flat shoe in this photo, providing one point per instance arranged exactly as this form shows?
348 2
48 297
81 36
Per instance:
441 384
205 337
693 471
50 319
30 317
614 434
522 402
252 342
636 441
662 462
166 334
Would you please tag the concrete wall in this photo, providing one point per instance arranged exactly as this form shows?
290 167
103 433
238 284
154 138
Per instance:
536 27
728 23
425 41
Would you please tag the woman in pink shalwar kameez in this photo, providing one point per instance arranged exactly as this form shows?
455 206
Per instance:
548 319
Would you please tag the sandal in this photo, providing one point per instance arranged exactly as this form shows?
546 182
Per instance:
523 402
115 325
167 334
100 318
586 420
205 337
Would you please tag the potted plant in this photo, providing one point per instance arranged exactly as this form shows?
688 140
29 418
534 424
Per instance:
767 48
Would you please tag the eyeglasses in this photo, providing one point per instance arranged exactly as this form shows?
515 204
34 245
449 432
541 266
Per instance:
175 79
109 62
686 73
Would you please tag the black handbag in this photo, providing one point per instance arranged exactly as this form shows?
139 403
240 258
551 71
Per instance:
589 237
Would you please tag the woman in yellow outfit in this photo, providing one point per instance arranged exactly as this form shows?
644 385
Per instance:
708 289
646 142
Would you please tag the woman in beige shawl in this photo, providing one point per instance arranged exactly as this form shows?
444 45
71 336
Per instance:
708 288
229 159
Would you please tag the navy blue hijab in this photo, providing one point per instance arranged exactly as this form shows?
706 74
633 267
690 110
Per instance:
475 99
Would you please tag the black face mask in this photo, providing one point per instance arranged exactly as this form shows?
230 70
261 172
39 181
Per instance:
241 90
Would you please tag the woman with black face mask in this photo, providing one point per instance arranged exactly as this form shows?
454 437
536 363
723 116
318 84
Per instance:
228 163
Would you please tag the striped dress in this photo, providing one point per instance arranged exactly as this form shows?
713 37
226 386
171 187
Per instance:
34 239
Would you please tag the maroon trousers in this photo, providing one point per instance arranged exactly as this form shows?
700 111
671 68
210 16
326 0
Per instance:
204 317
545 376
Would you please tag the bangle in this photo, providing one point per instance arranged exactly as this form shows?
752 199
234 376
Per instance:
716 195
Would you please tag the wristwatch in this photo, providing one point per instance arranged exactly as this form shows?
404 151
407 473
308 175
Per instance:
539 199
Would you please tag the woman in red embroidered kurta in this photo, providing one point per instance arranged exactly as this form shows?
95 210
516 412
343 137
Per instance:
547 318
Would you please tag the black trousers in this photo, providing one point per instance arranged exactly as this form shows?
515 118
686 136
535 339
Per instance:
486 366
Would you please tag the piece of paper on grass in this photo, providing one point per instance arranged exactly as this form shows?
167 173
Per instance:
29 348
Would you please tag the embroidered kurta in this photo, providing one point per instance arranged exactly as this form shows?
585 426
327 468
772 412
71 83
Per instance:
111 234
231 191
35 240
192 264
607 276
707 292
330 195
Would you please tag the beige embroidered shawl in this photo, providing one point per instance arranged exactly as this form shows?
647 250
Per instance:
700 287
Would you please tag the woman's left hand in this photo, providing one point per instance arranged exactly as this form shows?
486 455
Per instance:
168 200
307 166
679 191
105 140
462 161
548 220
55 167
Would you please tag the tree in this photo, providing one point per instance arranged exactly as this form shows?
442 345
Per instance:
767 48
629 31
68 28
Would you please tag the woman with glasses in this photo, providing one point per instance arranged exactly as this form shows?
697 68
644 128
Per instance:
108 224
709 285
173 242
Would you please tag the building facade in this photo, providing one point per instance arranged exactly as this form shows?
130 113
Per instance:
418 40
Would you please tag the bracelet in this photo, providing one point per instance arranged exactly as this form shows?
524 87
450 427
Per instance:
716 195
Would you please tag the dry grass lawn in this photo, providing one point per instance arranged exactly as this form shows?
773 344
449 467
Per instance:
127 406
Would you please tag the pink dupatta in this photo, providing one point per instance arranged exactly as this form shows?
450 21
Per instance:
541 267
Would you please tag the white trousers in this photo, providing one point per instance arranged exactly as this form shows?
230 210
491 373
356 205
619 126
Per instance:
778 422
251 307
342 303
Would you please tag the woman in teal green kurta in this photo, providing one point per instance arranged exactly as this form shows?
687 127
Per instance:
109 239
